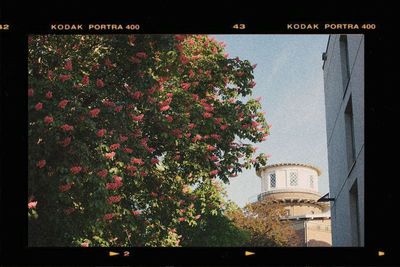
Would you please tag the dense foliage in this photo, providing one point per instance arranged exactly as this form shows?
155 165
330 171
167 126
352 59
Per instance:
129 137
262 221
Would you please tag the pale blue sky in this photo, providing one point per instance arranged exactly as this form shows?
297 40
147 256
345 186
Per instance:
289 78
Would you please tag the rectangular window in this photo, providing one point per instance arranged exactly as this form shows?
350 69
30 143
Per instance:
344 61
349 131
354 215
287 212
311 181
293 178
272 180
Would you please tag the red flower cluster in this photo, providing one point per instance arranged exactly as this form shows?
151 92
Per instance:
210 148
99 83
137 161
63 78
155 161
75 170
102 173
108 216
94 112
64 188
41 163
48 119
118 109
214 172
137 118
101 132
63 103
68 66
49 94
110 155
114 146
67 127
38 106
85 80
30 92
115 199
128 150
65 142
31 205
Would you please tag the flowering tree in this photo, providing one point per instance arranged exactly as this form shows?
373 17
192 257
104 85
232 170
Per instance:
129 136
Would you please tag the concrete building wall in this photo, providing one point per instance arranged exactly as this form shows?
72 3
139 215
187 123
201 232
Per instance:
344 100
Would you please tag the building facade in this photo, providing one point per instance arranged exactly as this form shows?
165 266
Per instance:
343 67
295 187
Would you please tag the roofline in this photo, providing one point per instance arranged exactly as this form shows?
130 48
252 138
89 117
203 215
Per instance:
319 171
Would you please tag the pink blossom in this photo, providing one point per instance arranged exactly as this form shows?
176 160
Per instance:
108 216
31 205
101 132
197 137
114 146
128 150
30 92
48 119
164 108
110 155
137 161
76 169
137 118
181 219
197 217
99 83
108 103
63 78
85 80
67 127
185 86
85 245
113 199
68 66
155 161
233 175
123 138
177 157
154 194
141 54
118 109
223 127
49 94
64 188
94 112
213 172
136 212
217 120
210 148
38 106
41 163
134 60
206 115
63 103
102 173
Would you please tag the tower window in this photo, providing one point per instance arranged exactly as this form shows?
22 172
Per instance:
311 181
293 178
272 177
